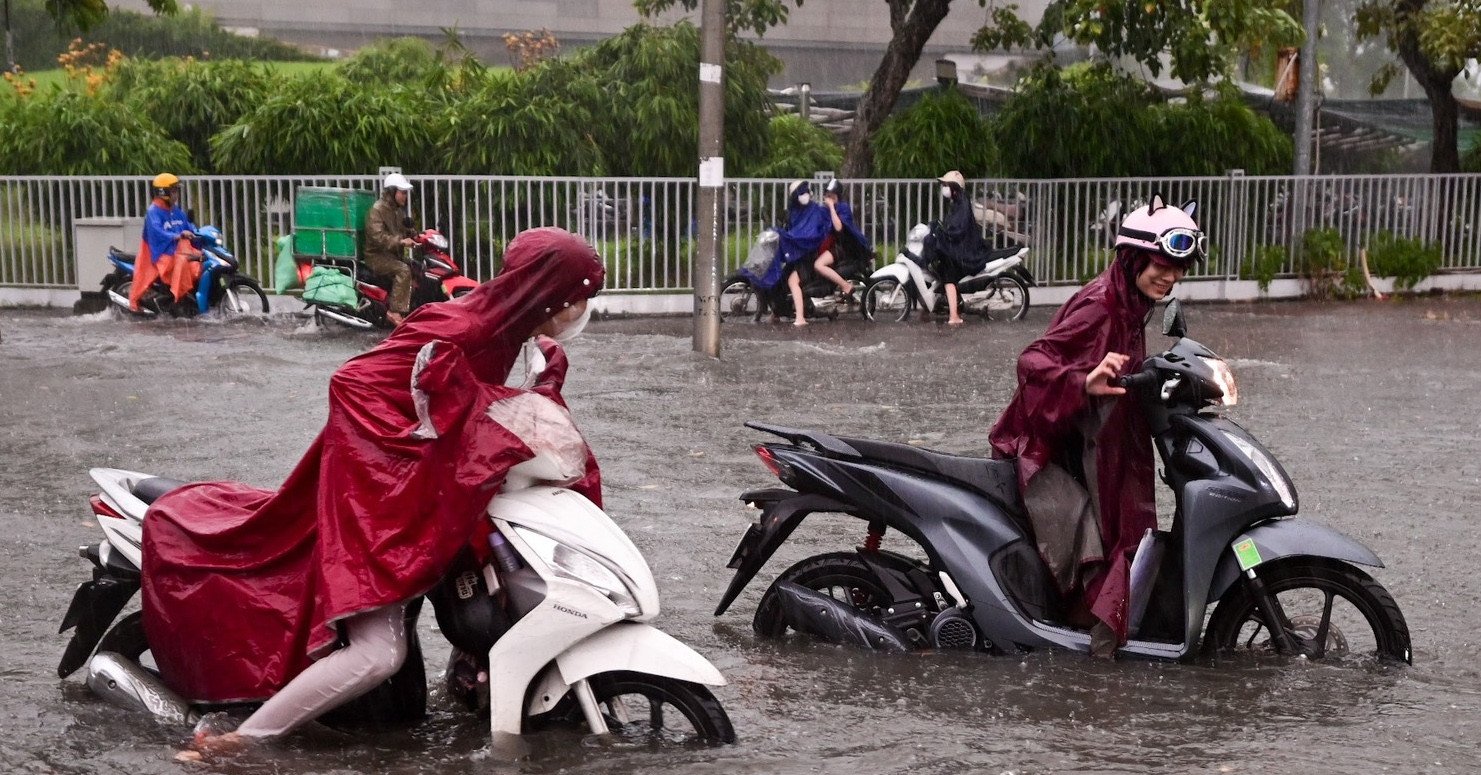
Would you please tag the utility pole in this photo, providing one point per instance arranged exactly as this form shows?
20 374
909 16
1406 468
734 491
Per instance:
1306 87
9 42
711 177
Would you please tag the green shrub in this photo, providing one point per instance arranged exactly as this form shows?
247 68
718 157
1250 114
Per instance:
1268 261
329 125
796 149
1471 161
192 100
944 131
387 61
1090 121
509 123
648 115
191 33
1323 264
1408 261
63 132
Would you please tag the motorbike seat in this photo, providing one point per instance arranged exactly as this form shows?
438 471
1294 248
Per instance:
149 490
121 255
995 479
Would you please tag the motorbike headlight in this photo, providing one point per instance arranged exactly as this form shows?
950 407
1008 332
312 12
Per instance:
579 566
1267 468
1224 378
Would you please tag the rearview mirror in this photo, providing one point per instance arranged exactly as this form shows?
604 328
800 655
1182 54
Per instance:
1172 320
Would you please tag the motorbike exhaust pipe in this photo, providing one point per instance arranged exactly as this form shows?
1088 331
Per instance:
817 614
346 319
125 684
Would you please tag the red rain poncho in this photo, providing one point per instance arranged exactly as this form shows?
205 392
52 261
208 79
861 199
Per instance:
242 586
1043 420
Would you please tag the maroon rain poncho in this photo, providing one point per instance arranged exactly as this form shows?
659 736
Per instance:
1045 423
242 586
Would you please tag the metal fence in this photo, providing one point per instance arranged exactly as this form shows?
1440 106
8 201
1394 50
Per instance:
645 228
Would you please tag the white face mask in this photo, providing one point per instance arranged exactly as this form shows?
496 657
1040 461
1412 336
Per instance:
946 191
804 199
574 329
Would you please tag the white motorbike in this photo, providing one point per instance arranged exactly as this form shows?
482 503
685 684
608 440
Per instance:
999 291
578 592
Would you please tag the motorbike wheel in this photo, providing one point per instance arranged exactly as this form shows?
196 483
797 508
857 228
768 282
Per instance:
1007 299
886 299
738 301
647 709
1334 612
839 575
242 297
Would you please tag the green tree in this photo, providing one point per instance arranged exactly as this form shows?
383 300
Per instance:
79 14
532 123
944 131
796 149
404 60
66 132
911 25
327 124
1433 40
648 119
192 100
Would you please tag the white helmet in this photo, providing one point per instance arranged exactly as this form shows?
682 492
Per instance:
1168 231
397 181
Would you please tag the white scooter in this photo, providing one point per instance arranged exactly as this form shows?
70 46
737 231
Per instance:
998 292
577 590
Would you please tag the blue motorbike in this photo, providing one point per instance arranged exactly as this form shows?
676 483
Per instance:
221 287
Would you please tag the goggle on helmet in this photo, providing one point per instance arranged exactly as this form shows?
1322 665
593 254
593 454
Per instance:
1168 231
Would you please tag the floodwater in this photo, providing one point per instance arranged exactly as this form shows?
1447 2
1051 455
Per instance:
1370 406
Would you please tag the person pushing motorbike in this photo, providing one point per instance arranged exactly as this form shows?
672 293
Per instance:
373 516
386 242
166 254
1084 460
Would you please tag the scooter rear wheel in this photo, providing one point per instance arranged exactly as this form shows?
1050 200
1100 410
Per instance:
1334 611
839 575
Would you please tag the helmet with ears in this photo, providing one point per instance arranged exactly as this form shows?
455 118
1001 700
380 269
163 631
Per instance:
1169 232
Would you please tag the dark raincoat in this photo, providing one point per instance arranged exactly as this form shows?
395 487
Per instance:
956 247
243 586
1044 426
850 244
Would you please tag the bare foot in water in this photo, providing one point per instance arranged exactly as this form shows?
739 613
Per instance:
210 744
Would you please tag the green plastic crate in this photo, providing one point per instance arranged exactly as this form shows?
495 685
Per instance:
329 221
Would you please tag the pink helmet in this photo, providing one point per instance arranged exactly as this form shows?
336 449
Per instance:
1170 232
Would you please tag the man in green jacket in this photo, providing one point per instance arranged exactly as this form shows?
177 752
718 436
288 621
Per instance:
385 243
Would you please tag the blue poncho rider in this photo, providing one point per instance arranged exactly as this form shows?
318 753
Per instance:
801 236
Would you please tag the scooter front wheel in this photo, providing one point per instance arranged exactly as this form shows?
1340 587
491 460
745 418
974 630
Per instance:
1332 611
645 709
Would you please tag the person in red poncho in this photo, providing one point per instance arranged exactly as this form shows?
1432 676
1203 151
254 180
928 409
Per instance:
1084 455
385 499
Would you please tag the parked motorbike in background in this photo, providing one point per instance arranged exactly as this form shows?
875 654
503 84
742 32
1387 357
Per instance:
742 299
1278 584
221 288
435 276
999 291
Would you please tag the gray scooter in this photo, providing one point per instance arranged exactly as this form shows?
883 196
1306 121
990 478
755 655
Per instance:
1279 584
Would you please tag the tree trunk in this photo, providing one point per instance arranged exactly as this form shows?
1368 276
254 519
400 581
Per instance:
911 29
1436 82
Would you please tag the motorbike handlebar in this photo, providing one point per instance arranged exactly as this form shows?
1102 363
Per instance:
1137 381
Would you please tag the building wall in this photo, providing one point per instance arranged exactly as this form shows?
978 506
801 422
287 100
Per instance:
832 22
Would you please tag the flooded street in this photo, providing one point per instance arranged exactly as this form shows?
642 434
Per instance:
1371 408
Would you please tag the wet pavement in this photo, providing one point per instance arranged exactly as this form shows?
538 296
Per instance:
1371 407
